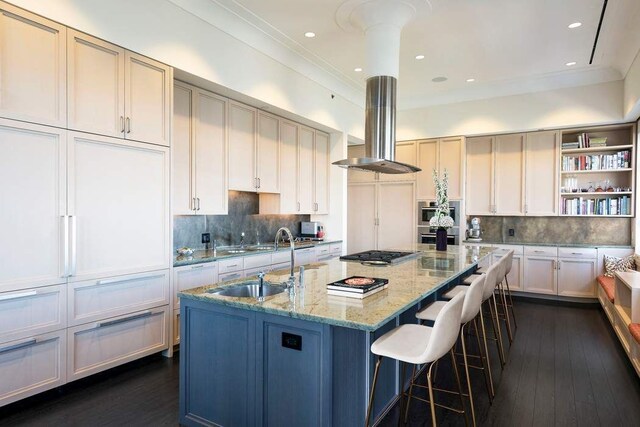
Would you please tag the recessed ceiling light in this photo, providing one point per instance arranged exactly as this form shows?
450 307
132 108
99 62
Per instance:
569 64
419 57
439 79
471 80
310 34
575 25
357 70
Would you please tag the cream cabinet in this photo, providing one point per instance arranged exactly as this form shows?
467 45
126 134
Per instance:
268 153
304 172
199 152
440 154
118 203
33 158
405 153
116 92
516 274
33 67
540 275
577 271
380 216
503 174
541 178
192 276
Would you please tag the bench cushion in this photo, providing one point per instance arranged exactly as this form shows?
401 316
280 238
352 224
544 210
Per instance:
608 285
634 328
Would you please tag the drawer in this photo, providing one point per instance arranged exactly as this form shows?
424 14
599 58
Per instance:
102 345
255 271
31 312
336 248
503 249
550 251
192 276
323 250
176 327
325 257
280 257
256 261
584 253
93 300
284 266
230 276
33 365
231 264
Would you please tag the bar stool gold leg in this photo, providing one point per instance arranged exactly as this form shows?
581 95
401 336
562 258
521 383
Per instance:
488 381
431 401
513 313
413 377
496 328
466 370
373 389
455 370
505 310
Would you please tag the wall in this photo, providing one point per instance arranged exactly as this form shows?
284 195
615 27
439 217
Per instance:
557 230
243 217
631 107
594 104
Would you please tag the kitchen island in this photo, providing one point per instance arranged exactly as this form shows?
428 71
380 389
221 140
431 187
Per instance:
302 358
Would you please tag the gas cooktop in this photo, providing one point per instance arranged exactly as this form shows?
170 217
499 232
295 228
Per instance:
378 257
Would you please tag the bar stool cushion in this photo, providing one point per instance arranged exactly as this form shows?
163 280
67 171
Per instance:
634 328
405 343
608 285
455 291
468 280
431 311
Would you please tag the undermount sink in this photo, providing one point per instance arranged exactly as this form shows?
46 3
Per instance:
249 290
235 251
262 247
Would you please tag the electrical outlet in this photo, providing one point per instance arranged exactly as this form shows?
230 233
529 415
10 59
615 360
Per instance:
512 232
206 237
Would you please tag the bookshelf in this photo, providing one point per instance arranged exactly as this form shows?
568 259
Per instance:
597 171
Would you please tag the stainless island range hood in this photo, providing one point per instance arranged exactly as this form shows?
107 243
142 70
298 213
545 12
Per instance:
382 22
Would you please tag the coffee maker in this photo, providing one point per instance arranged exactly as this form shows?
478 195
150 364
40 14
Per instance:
473 232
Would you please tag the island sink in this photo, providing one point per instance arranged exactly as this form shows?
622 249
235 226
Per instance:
249 290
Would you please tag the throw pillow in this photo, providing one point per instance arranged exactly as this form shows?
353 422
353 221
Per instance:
636 258
613 264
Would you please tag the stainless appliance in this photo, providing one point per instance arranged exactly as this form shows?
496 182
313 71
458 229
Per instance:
378 257
474 232
426 211
312 229
427 234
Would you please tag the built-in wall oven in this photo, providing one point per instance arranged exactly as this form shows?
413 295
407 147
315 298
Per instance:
427 234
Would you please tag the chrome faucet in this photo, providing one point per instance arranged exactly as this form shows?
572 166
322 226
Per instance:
261 286
257 238
291 243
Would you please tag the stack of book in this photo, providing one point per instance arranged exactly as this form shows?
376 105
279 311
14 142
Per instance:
585 141
598 142
357 287
619 160
607 206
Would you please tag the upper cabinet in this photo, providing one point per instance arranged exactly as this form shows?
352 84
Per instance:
503 174
440 154
304 172
199 152
32 68
254 150
405 153
117 93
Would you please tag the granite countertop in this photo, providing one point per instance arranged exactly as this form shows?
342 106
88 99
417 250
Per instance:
562 245
409 282
202 256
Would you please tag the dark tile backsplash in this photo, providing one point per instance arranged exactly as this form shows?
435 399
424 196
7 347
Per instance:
561 230
243 217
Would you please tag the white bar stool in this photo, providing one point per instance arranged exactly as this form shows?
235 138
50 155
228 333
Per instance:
470 310
418 344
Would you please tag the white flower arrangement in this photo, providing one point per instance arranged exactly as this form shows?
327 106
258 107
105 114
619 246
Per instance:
441 219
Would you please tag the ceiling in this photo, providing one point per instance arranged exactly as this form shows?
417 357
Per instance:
507 46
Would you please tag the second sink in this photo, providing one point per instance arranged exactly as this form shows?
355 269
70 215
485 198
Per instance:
249 290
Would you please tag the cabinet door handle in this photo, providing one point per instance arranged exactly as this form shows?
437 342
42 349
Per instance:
124 319
18 346
198 199
193 203
19 295
73 256
65 245
259 183
128 125
558 264
121 124
298 206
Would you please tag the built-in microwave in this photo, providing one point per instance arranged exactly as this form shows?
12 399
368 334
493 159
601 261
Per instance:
427 235
426 211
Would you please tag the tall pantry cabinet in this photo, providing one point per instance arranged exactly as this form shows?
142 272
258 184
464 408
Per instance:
84 281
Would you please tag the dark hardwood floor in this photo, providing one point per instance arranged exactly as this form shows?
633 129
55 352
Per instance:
566 367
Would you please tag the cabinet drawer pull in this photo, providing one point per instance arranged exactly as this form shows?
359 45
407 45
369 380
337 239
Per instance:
233 265
126 279
28 343
20 295
124 319
577 253
539 252
197 266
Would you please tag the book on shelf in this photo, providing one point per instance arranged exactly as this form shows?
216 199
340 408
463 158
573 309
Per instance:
620 205
358 295
570 145
598 142
619 160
